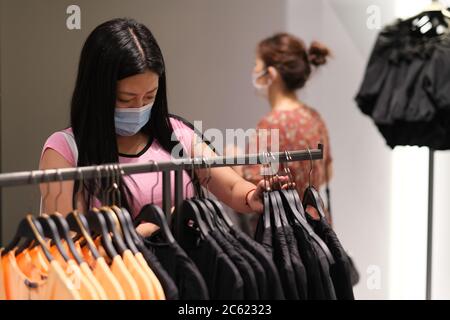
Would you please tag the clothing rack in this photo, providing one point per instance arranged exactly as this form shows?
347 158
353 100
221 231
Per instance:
176 165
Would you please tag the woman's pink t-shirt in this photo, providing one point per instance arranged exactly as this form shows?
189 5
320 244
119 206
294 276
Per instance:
142 188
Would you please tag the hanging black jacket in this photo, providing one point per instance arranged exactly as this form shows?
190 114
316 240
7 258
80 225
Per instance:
221 275
263 235
273 291
316 289
341 269
257 269
274 242
168 285
405 89
297 263
187 277
244 268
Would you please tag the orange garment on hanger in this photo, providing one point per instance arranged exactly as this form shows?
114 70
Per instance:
87 271
121 272
38 258
103 274
78 278
142 280
84 267
2 279
53 286
157 287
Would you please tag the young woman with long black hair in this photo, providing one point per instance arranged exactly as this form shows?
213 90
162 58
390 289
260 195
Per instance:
119 114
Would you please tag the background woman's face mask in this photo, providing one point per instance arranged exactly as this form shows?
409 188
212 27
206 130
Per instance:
129 121
262 89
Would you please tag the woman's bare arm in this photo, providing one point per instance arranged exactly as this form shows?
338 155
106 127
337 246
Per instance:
49 191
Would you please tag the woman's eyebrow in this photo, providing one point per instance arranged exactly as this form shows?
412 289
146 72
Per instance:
135 94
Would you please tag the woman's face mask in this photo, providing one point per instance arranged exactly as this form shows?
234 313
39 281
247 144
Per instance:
129 121
263 89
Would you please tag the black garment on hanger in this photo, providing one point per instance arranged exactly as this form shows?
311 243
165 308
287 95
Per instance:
169 287
245 270
311 261
182 270
341 270
274 242
257 269
274 291
263 236
297 264
221 275
325 269
406 87
282 259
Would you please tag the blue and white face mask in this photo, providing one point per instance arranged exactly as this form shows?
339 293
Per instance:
129 121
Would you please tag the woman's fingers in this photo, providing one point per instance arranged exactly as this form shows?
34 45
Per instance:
280 182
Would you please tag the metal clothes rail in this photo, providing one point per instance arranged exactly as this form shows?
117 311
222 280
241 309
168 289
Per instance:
176 165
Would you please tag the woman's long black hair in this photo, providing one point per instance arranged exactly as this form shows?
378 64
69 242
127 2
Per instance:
114 50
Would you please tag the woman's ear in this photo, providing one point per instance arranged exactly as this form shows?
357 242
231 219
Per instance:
273 73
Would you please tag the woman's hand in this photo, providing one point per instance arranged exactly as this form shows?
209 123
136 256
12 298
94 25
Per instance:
254 198
146 229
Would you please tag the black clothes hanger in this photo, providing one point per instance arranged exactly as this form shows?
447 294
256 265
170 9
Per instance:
49 227
154 214
292 190
205 213
275 217
218 222
275 197
79 224
222 216
50 231
187 222
266 201
29 228
125 228
110 217
288 209
108 224
205 208
433 21
293 214
30 243
138 240
64 231
98 226
281 208
311 197
123 222
111 222
219 217
62 228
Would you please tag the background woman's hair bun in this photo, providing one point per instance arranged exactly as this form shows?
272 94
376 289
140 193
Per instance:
292 59
318 53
